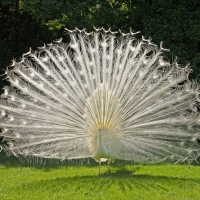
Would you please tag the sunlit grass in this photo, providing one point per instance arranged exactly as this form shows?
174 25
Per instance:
166 182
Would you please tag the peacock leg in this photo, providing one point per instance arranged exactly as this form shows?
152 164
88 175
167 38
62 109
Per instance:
99 166
109 161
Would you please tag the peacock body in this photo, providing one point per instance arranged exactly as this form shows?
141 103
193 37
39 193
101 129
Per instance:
105 95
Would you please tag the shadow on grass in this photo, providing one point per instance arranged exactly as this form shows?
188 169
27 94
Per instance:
123 179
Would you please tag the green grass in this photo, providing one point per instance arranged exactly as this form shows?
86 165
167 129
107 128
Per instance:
166 182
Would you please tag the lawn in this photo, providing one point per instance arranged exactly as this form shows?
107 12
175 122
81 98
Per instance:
166 182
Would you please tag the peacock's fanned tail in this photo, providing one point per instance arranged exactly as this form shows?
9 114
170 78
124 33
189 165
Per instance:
105 95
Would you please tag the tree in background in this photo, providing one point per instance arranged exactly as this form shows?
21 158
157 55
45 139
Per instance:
177 24
32 23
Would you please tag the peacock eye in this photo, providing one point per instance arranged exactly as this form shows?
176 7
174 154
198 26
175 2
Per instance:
132 48
61 58
23 105
145 61
12 98
45 58
3 113
5 92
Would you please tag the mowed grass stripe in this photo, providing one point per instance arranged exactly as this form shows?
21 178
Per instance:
166 182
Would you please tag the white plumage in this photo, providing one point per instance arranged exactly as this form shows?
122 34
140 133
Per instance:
104 95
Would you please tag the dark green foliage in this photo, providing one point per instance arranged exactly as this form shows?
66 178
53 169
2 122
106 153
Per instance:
176 23
19 31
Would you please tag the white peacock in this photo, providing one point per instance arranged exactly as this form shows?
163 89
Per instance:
105 95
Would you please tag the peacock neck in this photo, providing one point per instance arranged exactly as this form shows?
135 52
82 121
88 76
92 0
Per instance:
101 150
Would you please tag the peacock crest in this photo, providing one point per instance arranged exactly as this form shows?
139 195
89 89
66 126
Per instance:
104 95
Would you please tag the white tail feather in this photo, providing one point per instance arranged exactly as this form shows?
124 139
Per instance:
62 96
